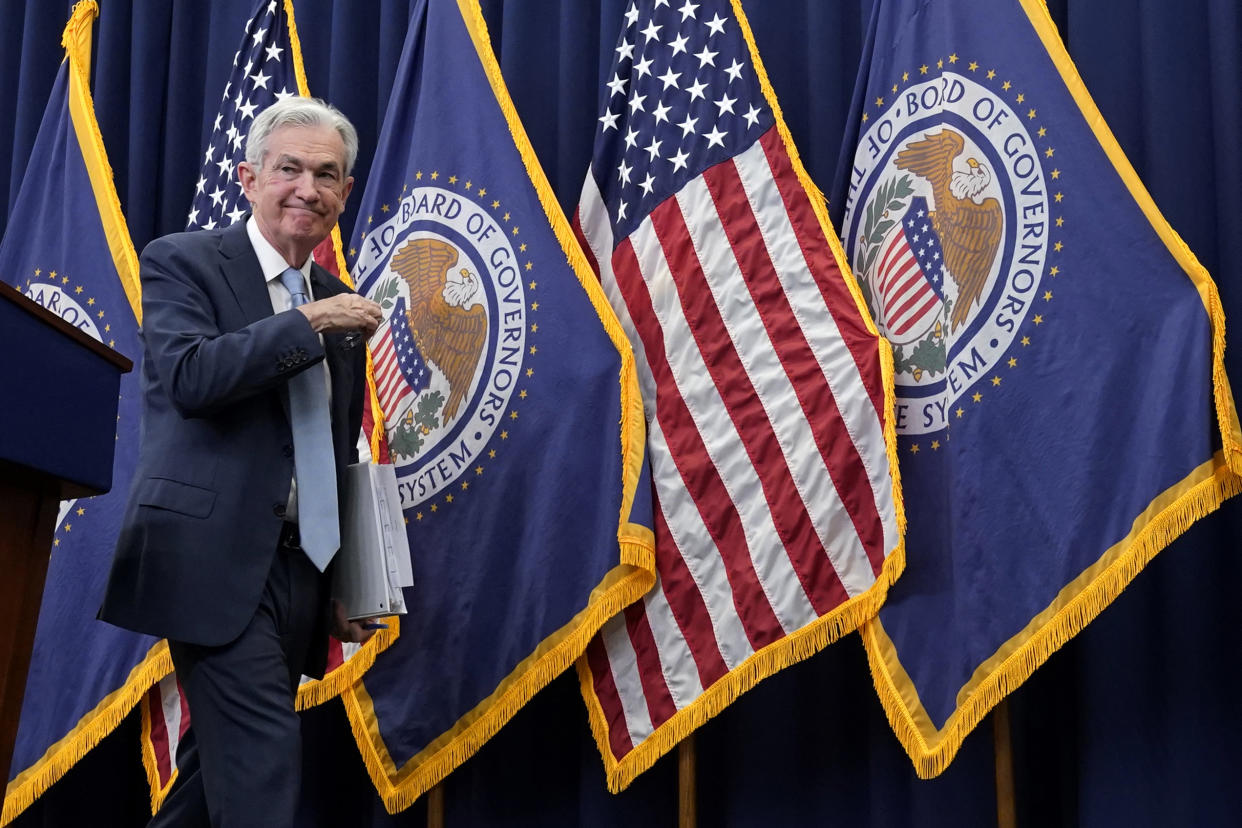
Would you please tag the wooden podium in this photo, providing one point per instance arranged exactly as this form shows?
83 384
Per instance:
60 390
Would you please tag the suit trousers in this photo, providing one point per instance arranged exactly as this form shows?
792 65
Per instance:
240 764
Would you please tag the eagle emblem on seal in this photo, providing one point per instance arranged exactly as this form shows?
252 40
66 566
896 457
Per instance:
446 313
969 230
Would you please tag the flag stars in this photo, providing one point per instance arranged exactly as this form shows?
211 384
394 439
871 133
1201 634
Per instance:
384 208
1039 319
1026 340
696 90
522 247
670 78
679 160
529 265
1056 174
77 289
435 175
1054 270
725 104
1021 98
706 57
960 411
715 138
1043 131
1058 197
716 24
1047 296
688 10
1057 247
533 285
534 306
996 381
661 113
609 120
617 85
643 67
687 126
1006 86
530 372
534 328
631 16
505 217
879 102
452 179
1013 362
478 470
977 397
495 205
522 393
504 435
1049 152
923 69
491 455
435 508
81 511
515 231
935 444
734 71
482 191
752 115
914 449
273 52
1030 113
940 63
991 74
652 31
465 484
953 58
973 66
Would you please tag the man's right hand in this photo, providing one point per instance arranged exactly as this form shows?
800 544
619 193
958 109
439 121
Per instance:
343 313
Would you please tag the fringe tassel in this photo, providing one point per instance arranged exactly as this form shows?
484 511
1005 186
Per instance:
31 783
339 680
932 750
819 206
1226 412
77 42
778 655
400 788
633 423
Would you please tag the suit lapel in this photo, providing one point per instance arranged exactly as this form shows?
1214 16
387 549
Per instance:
243 273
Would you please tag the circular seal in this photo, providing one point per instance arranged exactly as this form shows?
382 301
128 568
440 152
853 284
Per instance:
450 350
947 229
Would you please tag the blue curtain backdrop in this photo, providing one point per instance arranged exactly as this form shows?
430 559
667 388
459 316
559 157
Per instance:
1132 723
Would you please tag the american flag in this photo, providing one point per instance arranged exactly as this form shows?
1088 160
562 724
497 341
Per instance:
761 377
910 275
263 73
399 366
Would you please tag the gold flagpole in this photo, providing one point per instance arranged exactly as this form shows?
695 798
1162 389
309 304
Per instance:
686 816
1002 748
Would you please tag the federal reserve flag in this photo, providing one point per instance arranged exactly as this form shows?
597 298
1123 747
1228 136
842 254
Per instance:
67 247
1062 407
768 393
511 405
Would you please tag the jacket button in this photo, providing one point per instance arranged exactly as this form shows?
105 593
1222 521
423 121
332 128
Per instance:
278 510
286 450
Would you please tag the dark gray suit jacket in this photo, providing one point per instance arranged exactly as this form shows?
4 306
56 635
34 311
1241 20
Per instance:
207 503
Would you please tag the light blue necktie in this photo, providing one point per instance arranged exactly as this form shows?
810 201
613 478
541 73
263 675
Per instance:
314 467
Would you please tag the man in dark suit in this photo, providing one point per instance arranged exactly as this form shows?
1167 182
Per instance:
239 359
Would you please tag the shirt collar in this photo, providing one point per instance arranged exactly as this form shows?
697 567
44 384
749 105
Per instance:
270 261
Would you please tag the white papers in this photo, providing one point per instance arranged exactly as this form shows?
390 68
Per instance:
374 561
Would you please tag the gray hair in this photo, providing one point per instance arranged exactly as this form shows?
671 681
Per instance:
302 112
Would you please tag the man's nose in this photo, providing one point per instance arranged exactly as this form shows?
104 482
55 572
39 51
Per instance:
306 189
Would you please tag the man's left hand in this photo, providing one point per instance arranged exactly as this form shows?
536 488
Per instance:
345 630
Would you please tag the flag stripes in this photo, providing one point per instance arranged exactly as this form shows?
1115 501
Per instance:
761 435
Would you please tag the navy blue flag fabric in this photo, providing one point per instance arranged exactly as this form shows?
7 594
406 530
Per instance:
66 247
520 455
1062 407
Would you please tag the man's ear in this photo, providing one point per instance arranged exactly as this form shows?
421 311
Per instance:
247 176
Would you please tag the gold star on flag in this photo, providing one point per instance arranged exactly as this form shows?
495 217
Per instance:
914 449
1013 362
935 445
1026 340
977 396
448 498
452 179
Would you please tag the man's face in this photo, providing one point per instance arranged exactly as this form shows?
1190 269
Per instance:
301 189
